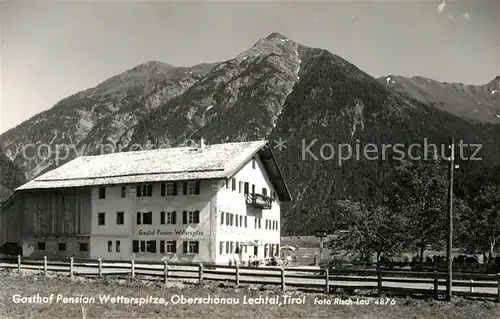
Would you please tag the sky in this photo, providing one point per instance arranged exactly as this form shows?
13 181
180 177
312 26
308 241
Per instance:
52 49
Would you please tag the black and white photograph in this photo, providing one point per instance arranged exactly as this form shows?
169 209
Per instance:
250 159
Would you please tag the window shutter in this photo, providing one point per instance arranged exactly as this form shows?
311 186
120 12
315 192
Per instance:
184 188
174 215
150 189
185 247
163 189
196 247
175 188
162 246
175 246
197 187
135 246
138 218
184 217
162 218
197 217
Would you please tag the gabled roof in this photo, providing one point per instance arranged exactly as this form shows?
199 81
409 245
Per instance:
217 161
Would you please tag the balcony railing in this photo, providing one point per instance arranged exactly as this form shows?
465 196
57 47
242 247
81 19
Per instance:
259 201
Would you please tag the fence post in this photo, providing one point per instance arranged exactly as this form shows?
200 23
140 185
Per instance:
132 267
18 263
100 267
165 270
200 270
282 279
71 267
379 280
237 275
327 282
436 282
498 294
471 285
45 265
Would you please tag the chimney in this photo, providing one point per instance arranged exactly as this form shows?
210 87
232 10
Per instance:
202 144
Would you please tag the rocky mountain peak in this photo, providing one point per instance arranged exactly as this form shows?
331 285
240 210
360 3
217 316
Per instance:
276 36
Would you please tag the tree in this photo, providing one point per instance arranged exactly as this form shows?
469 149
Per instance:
480 230
370 229
419 192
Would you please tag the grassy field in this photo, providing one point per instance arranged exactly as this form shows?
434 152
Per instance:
28 285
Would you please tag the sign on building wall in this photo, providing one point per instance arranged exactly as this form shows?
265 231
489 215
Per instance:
175 232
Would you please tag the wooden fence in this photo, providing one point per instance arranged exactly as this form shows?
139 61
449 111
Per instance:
384 282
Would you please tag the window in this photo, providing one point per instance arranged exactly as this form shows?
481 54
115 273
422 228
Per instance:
144 218
162 218
246 224
117 246
151 246
190 247
61 246
233 186
264 191
144 190
135 246
253 189
101 219
191 217
120 218
143 246
253 163
221 247
171 218
260 223
240 187
84 247
256 222
231 221
191 188
222 218
171 246
227 247
102 192
236 220
170 189
110 246
241 221
162 246
124 191
246 188
40 246
266 224
228 219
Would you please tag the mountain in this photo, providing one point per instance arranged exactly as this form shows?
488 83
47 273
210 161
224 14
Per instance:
480 103
10 177
279 90
103 115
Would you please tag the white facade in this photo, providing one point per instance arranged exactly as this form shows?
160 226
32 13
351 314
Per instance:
254 219
209 238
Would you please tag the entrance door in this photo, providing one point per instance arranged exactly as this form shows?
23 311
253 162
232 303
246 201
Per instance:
256 251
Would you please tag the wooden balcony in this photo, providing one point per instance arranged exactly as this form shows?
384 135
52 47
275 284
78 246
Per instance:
259 201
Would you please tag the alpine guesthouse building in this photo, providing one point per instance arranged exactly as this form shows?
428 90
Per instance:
212 203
